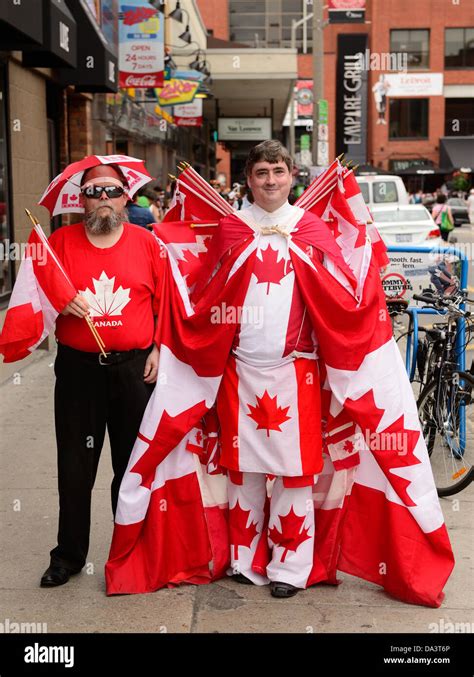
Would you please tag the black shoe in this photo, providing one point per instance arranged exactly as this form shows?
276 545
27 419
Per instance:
283 589
240 578
55 575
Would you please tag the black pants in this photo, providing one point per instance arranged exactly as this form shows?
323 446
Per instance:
88 399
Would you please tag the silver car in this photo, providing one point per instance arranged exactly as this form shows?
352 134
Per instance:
406 225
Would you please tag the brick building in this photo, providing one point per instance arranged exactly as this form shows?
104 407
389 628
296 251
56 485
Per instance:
429 117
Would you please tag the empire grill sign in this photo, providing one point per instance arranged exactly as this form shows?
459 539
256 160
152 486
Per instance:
351 105
352 85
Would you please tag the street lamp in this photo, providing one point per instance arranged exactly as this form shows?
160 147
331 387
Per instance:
177 15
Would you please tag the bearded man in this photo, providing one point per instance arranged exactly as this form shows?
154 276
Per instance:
116 267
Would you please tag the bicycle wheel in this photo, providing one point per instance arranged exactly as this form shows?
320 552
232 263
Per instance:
446 417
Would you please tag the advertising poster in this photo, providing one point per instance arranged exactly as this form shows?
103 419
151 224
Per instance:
141 45
418 272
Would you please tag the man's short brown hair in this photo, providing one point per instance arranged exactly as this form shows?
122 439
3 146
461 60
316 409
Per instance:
268 151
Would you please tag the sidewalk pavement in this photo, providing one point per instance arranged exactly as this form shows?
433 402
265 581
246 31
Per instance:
28 531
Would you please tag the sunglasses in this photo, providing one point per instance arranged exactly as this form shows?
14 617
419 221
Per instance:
95 192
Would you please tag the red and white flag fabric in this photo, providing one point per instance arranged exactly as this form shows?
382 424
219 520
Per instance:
42 290
187 242
377 513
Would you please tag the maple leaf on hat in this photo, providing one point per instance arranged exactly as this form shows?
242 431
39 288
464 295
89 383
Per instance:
239 532
267 414
292 535
269 270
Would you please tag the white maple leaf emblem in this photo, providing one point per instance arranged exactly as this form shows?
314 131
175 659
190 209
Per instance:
106 301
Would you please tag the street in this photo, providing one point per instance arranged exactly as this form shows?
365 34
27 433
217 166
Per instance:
29 523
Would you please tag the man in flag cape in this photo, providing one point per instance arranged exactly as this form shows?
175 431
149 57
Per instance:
313 460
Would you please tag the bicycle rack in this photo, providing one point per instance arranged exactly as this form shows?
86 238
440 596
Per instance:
414 311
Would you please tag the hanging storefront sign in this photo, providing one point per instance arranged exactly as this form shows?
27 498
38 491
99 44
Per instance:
189 115
304 98
414 84
141 45
177 92
351 102
346 11
244 129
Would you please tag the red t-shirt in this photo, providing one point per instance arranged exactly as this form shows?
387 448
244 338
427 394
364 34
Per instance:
121 284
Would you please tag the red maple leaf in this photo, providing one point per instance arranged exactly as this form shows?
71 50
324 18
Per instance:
168 435
292 535
368 415
190 266
239 532
348 446
267 414
269 270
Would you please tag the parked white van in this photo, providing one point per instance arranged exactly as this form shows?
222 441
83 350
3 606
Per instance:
382 189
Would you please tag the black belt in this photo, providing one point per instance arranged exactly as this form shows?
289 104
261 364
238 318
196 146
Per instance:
112 357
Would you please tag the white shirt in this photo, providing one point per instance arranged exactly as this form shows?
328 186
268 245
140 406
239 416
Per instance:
273 312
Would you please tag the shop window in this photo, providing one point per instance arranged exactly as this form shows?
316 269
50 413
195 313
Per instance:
409 118
459 48
415 44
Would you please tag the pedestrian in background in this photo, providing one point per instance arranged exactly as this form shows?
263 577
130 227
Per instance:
470 205
139 214
443 216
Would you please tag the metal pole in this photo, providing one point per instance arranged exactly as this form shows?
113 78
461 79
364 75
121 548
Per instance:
318 70
292 123
305 27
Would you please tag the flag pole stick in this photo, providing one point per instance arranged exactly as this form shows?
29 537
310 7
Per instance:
95 333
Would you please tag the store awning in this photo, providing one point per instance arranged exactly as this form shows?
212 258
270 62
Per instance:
97 63
20 24
419 170
59 44
457 152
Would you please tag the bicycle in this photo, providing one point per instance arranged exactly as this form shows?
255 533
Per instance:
446 397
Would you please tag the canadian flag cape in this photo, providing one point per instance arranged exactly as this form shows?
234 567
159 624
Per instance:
377 513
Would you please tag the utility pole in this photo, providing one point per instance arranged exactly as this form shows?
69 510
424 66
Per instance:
318 70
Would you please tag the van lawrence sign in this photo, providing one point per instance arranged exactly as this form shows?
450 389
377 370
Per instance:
244 129
351 108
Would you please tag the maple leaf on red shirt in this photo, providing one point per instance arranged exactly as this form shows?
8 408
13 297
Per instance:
239 532
269 270
291 535
267 414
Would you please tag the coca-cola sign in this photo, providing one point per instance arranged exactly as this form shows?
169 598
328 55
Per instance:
141 45
141 81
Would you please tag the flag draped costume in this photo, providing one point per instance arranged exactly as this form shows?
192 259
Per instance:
279 372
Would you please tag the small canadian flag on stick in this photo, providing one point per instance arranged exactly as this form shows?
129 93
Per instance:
42 290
